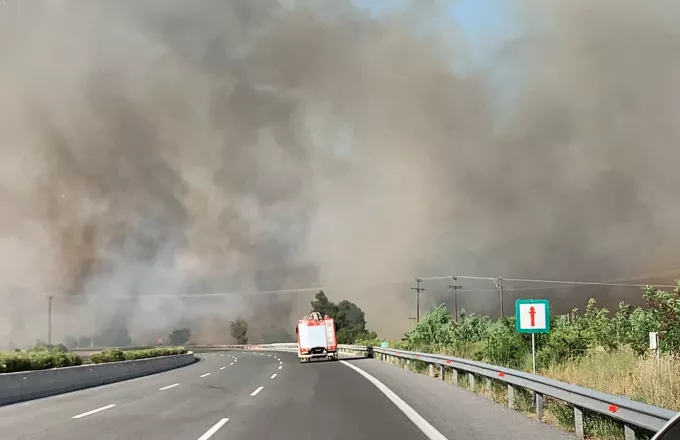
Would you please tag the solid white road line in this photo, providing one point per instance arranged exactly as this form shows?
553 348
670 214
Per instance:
209 433
206 374
254 393
430 431
168 387
273 376
222 368
103 408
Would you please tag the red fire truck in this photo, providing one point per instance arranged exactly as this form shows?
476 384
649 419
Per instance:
316 338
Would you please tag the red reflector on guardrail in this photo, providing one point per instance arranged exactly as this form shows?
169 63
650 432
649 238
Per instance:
501 374
448 361
613 408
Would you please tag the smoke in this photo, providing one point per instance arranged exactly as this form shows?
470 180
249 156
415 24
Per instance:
175 148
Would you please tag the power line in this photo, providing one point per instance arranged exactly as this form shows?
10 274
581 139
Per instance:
448 277
242 293
583 283
559 284
526 280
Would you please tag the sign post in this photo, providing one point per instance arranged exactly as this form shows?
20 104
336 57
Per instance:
532 316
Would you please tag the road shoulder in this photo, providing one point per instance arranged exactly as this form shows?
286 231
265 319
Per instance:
456 412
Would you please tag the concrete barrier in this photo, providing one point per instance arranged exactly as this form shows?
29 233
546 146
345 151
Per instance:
28 385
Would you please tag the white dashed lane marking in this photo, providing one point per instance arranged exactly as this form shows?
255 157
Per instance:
210 432
94 411
254 393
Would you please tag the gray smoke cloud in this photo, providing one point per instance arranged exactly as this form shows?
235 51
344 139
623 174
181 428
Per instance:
175 148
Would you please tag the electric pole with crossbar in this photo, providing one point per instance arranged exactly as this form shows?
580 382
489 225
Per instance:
418 289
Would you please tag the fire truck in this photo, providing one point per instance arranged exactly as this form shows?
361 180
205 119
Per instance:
316 338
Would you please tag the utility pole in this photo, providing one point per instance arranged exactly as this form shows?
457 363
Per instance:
418 289
49 319
499 285
455 287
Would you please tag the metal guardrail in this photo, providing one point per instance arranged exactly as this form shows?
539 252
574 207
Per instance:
631 413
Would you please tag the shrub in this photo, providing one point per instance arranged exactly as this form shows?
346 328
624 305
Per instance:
130 355
153 352
505 346
436 328
59 348
37 360
561 345
107 356
471 328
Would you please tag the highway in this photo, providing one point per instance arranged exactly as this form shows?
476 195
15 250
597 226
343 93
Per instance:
269 395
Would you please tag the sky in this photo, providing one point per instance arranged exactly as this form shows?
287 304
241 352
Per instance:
486 25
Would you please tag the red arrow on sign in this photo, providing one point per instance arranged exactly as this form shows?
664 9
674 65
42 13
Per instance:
532 314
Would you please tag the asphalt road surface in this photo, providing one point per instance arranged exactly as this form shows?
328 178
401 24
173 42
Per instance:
269 395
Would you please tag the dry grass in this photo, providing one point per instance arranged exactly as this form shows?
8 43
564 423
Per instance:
650 380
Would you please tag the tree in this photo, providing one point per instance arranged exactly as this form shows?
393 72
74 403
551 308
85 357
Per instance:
350 319
179 336
239 331
350 315
323 305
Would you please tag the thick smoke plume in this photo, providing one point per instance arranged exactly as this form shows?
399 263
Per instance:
174 148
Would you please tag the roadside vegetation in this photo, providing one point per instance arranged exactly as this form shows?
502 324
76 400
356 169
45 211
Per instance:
40 357
44 357
131 355
595 348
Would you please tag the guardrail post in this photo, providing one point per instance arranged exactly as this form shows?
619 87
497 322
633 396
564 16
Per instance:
628 432
407 364
430 371
511 397
578 422
454 376
441 372
539 406
471 381
487 386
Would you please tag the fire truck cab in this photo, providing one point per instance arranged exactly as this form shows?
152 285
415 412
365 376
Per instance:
316 338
